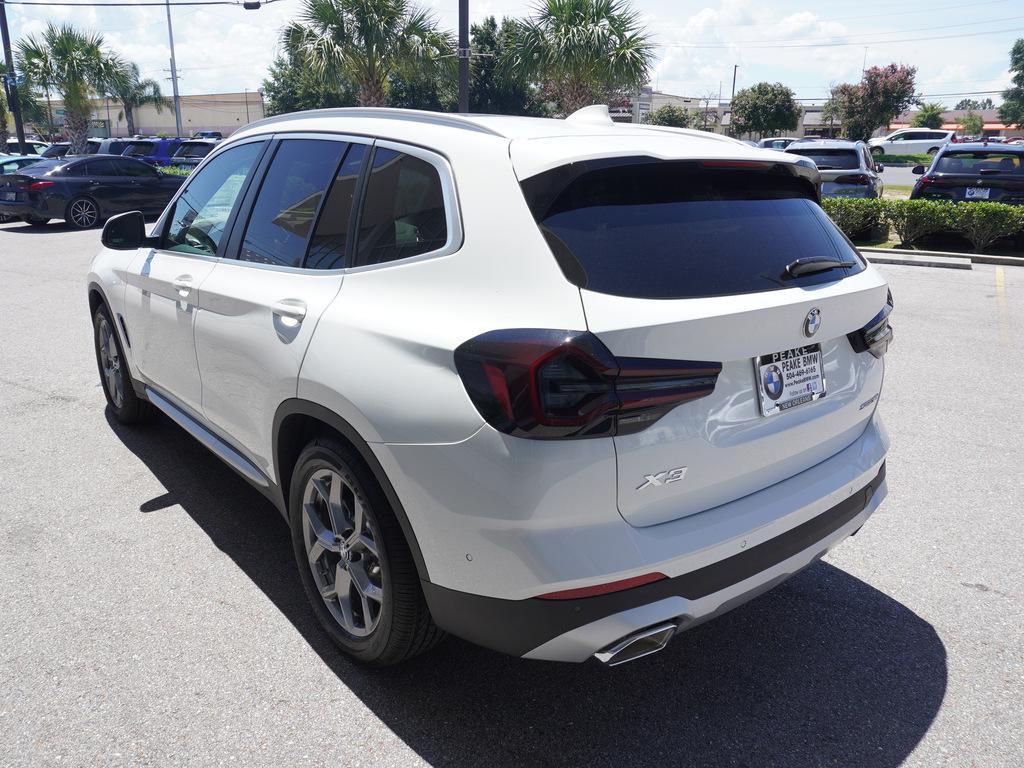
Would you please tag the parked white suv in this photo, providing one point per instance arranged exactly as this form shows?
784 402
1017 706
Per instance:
911 141
561 388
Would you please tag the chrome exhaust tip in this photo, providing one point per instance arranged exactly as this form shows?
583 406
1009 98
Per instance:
639 644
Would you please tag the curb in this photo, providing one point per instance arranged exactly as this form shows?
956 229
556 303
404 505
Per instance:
947 259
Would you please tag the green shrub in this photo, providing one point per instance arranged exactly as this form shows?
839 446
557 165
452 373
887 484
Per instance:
913 219
984 223
175 171
854 216
924 160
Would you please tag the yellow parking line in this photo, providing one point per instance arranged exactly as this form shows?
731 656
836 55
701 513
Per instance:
1002 308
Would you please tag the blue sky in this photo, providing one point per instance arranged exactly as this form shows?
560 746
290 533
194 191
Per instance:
957 47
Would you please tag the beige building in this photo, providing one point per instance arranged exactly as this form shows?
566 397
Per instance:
224 112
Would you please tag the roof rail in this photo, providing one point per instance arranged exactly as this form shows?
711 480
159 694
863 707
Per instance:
383 113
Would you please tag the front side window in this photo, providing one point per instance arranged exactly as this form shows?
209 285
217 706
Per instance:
136 169
676 230
194 149
140 149
200 213
96 168
403 211
328 249
289 198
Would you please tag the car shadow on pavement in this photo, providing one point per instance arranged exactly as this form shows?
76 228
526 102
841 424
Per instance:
823 670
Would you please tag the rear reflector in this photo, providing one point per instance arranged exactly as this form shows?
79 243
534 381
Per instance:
36 186
604 589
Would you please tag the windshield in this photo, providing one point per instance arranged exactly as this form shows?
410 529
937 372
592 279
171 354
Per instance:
829 159
193 149
976 162
672 230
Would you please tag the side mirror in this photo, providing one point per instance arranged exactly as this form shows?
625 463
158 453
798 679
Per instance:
879 167
917 170
124 232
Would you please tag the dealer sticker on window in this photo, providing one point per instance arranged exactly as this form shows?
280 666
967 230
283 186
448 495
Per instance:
789 378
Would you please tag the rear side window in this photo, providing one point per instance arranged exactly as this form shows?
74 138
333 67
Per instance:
193 149
140 149
135 168
667 230
97 168
288 200
328 249
196 225
403 211
830 159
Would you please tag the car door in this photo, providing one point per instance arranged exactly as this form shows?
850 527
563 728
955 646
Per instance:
105 184
145 193
260 309
164 285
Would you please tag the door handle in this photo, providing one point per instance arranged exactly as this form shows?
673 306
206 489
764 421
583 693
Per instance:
183 285
293 309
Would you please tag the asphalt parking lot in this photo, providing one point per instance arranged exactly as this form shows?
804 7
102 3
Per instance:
151 612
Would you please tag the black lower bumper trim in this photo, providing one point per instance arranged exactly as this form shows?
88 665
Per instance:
518 626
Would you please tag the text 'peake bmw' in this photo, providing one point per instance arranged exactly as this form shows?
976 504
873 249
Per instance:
562 388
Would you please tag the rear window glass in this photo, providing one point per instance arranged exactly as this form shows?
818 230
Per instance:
193 149
673 230
975 162
830 159
140 149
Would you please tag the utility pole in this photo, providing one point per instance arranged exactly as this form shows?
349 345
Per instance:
11 81
463 56
734 68
246 106
174 71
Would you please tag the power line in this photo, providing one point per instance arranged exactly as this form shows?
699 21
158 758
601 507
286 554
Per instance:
133 5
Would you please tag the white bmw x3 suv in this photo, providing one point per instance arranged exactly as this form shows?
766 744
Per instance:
559 387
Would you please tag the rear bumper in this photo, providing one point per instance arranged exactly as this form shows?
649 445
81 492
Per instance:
573 630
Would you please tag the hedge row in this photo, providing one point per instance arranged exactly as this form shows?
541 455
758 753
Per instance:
981 223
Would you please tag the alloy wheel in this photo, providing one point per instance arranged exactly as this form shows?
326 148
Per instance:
83 213
342 549
110 363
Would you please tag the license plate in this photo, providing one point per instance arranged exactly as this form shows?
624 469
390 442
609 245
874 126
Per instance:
10 195
977 193
789 378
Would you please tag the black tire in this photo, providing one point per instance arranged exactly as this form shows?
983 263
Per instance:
36 221
933 151
127 407
404 627
877 151
82 212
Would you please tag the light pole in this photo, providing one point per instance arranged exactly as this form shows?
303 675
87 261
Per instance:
463 56
11 81
174 71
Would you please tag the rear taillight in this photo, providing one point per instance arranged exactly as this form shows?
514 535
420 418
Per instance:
37 186
546 384
853 178
876 335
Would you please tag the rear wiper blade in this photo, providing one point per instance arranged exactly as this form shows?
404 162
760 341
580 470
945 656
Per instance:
812 264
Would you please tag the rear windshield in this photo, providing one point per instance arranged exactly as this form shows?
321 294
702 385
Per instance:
829 159
975 162
669 230
193 149
140 149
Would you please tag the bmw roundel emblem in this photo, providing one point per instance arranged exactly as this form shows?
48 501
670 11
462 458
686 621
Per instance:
773 382
812 322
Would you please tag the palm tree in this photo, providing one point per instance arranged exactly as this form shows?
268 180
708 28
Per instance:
73 64
582 51
133 92
929 116
365 41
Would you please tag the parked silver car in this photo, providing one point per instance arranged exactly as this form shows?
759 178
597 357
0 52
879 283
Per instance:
846 167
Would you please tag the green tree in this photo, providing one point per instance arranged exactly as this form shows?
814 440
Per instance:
972 124
670 115
75 65
928 116
132 92
290 87
974 104
765 108
493 89
881 95
422 90
1011 112
581 52
365 42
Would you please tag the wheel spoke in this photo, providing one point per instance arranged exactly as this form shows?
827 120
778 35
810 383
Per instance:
323 539
357 515
366 588
363 542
